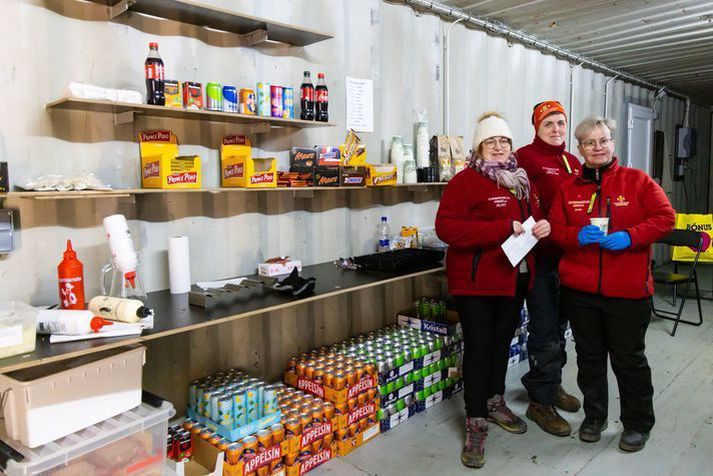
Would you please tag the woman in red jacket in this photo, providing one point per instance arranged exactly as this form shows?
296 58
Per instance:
606 279
481 207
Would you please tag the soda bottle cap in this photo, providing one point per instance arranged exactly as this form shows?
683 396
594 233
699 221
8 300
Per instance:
153 44
320 75
69 252
97 323
307 73
383 218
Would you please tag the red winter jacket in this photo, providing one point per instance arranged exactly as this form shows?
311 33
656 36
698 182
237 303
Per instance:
634 203
546 166
474 218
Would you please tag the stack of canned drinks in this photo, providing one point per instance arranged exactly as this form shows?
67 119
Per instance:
392 347
232 399
430 309
416 369
308 421
240 452
329 375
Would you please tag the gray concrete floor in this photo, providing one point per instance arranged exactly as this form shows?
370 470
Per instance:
681 443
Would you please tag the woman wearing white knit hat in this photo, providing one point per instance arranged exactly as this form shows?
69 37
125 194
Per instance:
481 207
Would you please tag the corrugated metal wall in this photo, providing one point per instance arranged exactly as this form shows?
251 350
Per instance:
48 43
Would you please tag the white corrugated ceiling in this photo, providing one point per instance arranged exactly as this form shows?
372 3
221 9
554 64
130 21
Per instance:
667 42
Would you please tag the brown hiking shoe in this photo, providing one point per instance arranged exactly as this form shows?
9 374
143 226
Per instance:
473 453
501 415
548 419
565 401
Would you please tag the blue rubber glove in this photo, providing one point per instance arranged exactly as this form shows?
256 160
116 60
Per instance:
589 235
619 240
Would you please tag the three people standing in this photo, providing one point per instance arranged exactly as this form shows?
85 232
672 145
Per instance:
605 277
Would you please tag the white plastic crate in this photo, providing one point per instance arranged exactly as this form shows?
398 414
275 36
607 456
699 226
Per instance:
131 444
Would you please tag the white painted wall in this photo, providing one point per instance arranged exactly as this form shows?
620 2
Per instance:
44 47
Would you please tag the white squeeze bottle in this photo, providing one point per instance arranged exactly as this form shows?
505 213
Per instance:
119 309
68 322
384 232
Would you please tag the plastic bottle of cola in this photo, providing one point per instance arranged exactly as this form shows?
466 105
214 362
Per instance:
321 99
154 77
307 98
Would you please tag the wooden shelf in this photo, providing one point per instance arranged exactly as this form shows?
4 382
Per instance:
196 13
124 108
174 315
127 192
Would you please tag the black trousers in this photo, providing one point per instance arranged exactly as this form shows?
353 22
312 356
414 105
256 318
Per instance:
616 328
545 340
489 324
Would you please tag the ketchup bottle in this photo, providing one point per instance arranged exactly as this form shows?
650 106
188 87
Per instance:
71 280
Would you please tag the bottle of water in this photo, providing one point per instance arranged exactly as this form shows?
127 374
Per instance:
384 233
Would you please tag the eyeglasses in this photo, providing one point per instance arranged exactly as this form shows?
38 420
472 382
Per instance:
591 144
503 142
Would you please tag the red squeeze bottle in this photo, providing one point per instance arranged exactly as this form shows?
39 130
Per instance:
71 280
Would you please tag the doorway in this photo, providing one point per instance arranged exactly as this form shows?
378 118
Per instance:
639 145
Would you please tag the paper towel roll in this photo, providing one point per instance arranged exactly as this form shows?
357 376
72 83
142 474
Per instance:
179 269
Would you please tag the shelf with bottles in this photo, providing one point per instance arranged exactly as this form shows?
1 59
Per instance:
123 112
253 29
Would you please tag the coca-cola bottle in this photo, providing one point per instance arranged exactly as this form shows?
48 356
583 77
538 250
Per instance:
321 99
307 98
154 77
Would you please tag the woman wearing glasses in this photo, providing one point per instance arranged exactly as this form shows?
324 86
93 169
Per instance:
481 207
606 279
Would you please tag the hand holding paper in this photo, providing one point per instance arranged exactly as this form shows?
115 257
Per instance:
517 247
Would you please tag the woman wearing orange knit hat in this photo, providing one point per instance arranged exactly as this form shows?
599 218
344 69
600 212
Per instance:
548 165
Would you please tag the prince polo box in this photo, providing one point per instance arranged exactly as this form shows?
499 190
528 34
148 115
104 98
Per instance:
380 174
162 167
235 151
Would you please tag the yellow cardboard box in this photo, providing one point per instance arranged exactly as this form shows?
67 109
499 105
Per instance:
379 175
162 167
235 152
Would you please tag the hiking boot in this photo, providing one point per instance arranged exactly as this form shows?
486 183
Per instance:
632 441
501 415
565 401
591 430
548 419
473 453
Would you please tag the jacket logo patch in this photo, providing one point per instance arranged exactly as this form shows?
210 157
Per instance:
499 202
578 205
621 201
551 170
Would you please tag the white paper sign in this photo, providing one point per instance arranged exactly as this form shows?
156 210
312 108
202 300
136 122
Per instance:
517 247
360 104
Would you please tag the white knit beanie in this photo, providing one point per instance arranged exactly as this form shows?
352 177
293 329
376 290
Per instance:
490 124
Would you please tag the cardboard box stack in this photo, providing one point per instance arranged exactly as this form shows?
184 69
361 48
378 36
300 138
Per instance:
349 384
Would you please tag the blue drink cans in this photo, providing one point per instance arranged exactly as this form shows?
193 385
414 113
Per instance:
230 99
240 414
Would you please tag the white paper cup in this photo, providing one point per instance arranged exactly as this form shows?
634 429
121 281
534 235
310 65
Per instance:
601 223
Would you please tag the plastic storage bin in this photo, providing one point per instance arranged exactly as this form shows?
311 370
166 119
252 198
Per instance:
51 401
17 328
130 444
